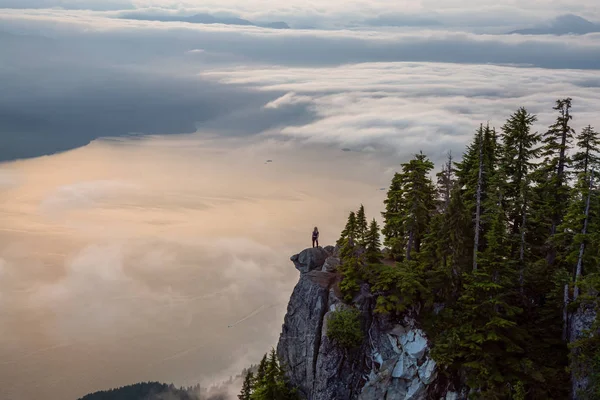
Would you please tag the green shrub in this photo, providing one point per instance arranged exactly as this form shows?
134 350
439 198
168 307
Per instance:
403 287
344 327
350 283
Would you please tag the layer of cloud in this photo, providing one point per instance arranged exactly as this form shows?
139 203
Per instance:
415 106
332 14
252 44
138 252
182 238
99 5
92 76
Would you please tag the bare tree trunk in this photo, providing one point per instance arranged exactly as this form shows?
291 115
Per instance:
583 232
478 209
448 182
565 313
409 246
522 246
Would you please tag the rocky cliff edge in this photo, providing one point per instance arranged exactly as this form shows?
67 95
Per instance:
393 362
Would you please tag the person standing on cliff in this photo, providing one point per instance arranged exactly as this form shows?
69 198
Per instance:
315 237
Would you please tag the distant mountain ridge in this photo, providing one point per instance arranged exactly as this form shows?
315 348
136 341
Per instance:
562 25
203 18
147 391
163 391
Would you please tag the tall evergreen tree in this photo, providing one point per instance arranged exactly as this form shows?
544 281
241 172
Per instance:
247 387
517 161
373 243
350 232
473 173
518 154
361 225
499 330
418 201
393 228
351 257
484 318
478 201
262 368
588 142
575 246
444 252
557 139
557 143
445 184
273 385
586 217
437 244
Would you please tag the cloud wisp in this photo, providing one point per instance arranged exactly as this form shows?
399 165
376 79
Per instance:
336 13
416 106
91 76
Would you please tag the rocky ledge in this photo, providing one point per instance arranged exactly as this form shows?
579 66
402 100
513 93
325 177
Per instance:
393 361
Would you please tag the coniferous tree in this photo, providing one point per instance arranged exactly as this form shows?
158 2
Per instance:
518 153
586 216
361 225
247 386
273 385
478 201
373 243
350 232
588 142
460 231
487 322
418 201
262 367
573 237
473 174
500 324
393 228
445 185
439 247
351 257
557 140
557 143
467 171
517 159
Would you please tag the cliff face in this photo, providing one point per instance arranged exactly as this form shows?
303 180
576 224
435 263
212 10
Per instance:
392 363
582 322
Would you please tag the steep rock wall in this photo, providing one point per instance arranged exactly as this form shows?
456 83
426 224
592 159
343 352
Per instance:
581 324
392 363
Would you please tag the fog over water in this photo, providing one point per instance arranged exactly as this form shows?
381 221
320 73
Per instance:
139 217
127 260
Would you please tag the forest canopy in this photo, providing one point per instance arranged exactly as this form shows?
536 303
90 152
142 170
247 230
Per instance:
495 251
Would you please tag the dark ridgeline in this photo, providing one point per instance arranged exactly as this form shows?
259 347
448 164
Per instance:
163 391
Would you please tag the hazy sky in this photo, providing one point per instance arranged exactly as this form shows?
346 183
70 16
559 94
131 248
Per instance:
139 218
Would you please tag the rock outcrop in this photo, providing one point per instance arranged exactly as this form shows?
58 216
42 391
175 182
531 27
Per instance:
392 363
581 325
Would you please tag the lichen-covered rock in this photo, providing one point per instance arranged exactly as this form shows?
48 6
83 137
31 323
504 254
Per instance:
392 363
